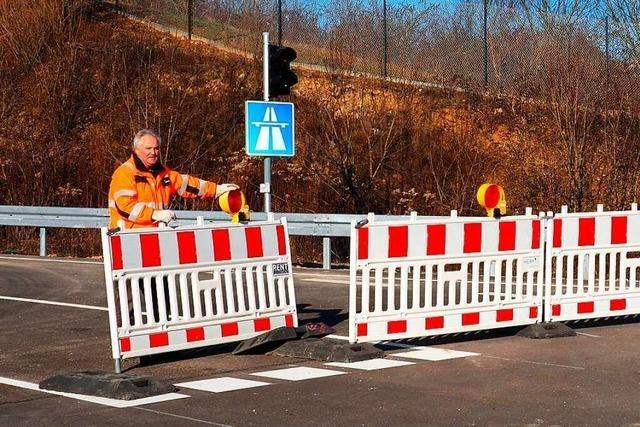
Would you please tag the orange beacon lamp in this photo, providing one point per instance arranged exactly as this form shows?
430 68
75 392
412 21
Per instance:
234 203
492 198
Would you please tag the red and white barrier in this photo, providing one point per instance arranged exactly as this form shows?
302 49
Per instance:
592 265
178 288
420 278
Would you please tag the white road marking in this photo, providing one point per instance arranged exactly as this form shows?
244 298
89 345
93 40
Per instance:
321 280
115 403
298 374
588 335
371 365
433 354
338 337
387 343
182 417
70 261
63 304
220 385
318 274
555 365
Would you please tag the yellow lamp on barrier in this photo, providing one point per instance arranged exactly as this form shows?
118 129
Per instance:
492 198
234 203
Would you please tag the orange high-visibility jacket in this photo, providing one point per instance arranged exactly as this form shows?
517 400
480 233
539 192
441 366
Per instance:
135 192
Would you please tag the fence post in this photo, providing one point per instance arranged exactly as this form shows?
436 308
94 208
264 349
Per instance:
43 241
190 18
326 253
384 37
486 46
279 22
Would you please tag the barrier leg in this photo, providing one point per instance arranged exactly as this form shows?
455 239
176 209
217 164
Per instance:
117 366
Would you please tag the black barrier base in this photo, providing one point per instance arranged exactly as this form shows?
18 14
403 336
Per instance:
547 330
267 341
328 350
106 384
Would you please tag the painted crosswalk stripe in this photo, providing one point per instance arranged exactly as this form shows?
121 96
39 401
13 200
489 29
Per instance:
371 365
298 374
433 354
116 403
220 385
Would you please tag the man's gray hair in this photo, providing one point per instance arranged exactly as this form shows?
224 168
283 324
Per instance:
143 132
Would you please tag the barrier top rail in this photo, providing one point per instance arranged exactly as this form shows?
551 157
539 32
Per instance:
299 224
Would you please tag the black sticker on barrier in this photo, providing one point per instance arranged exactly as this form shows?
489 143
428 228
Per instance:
281 269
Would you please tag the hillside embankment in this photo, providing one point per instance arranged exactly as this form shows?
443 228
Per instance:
77 81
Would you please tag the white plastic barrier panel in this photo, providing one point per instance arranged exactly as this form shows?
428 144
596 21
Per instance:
593 262
192 286
420 278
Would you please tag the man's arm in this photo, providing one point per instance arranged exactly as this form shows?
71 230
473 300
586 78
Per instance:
190 187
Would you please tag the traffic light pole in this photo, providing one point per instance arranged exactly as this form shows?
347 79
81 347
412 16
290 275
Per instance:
266 187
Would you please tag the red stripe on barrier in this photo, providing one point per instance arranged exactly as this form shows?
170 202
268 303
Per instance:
288 320
555 310
533 312
125 345
253 236
195 334
434 322
116 253
470 319
160 339
187 247
586 231
221 245
504 315
585 307
472 237
229 329
507 239
618 304
396 326
361 330
398 241
436 239
618 230
557 233
282 242
363 243
260 325
535 234
150 249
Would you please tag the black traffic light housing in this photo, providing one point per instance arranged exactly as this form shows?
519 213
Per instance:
281 78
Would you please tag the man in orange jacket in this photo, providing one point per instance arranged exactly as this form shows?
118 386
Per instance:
141 188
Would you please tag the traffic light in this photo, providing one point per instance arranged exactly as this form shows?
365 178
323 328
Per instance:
281 78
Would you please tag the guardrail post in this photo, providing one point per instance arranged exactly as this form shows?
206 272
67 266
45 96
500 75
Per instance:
43 241
326 253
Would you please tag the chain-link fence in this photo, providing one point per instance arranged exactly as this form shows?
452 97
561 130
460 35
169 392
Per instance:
479 44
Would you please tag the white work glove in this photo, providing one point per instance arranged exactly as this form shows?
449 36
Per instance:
163 216
224 188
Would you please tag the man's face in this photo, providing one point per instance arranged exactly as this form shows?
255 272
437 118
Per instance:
148 150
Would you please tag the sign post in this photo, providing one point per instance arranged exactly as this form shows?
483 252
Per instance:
269 128
266 187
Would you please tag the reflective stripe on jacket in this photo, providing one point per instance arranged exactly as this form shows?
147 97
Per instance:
135 192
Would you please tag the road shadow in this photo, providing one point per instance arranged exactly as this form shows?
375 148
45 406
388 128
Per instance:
328 316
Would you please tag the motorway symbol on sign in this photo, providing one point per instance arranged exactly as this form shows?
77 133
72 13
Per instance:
269 129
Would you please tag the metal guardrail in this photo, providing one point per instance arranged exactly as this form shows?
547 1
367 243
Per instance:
320 225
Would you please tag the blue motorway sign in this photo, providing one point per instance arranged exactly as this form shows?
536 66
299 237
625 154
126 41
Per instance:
269 129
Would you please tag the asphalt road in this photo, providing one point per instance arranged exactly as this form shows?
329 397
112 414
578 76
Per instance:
480 379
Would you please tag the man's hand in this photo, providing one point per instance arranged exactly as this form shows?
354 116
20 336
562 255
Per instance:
223 188
163 216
